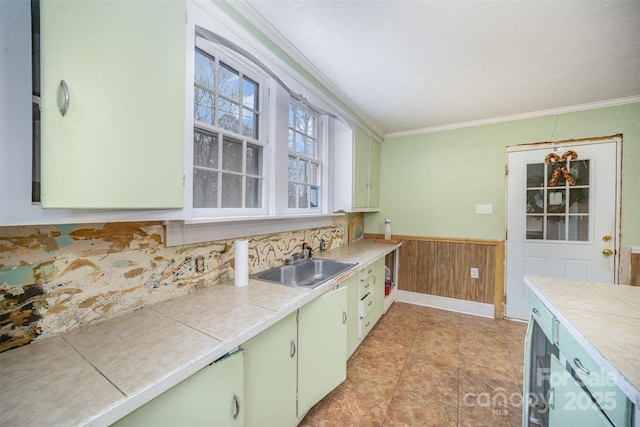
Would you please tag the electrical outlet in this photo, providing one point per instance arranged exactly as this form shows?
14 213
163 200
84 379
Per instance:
484 209
474 273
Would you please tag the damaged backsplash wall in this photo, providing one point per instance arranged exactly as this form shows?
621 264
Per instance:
56 278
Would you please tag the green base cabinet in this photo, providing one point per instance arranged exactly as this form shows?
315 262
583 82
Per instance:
270 362
352 284
210 397
569 404
322 347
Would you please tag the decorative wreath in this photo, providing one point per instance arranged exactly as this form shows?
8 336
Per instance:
561 167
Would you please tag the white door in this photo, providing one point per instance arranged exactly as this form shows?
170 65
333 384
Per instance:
556 229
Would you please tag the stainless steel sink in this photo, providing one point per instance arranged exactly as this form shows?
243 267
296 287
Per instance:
305 274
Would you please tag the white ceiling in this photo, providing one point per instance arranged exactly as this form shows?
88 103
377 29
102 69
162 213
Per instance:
409 65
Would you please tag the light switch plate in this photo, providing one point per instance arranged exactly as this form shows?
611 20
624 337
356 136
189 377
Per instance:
484 209
474 273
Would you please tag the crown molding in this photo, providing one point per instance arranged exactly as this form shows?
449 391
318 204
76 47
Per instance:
523 116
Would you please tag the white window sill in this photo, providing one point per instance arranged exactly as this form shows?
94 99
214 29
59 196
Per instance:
211 229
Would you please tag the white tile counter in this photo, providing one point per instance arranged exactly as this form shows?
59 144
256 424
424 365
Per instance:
604 319
95 375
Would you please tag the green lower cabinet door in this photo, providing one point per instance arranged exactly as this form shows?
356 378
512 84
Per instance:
210 397
569 404
270 362
322 347
352 284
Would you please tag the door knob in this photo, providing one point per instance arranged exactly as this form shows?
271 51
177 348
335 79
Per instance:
607 252
606 238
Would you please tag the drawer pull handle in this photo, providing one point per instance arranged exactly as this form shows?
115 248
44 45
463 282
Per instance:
370 302
535 311
293 348
63 92
235 407
551 397
580 366
366 285
375 279
344 317
367 325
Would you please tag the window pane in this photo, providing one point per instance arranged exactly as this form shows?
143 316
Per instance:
303 196
310 147
253 198
231 191
204 70
229 116
556 228
205 150
250 93
579 228
291 139
580 172
535 201
299 148
535 175
229 85
313 173
292 195
254 160
301 120
303 171
249 124
292 114
560 182
205 189
293 169
314 196
203 106
556 201
534 227
231 155
579 200
311 126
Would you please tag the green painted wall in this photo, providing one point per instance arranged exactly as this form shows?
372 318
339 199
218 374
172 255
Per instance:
430 183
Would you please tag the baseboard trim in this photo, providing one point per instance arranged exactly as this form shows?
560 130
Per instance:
450 304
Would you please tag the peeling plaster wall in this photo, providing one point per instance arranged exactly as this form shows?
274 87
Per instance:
59 277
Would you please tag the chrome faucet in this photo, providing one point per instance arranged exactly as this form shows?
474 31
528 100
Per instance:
304 255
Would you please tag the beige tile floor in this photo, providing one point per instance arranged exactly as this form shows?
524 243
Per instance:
426 367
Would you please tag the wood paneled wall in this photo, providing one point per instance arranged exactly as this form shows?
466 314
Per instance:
442 267
634 276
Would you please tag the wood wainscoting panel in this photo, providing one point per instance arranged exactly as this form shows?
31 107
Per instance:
442 267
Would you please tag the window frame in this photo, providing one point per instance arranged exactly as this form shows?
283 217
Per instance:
252 72
319 159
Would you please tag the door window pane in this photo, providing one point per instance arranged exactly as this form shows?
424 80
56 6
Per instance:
579 228
556 201
535 175
534 227
556 227
579 200
580 171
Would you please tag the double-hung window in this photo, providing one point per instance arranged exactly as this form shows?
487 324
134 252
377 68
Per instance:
305 159
229 146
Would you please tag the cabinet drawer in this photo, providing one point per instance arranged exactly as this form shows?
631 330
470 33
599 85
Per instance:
366 304
543 317
366 324
602 387
367 272
366 285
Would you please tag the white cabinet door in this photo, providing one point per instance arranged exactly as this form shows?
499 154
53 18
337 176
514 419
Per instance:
210 397
120 143
322 347
270 361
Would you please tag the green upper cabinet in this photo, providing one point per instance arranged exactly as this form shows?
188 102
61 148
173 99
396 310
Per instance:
119 66
356 170
360 169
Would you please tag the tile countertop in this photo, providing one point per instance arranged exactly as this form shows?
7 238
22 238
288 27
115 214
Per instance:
604 319
95 375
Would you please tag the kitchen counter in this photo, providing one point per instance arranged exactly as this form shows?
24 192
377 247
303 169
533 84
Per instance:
604 319
95 375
